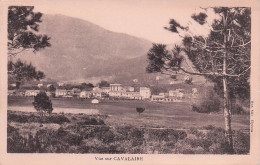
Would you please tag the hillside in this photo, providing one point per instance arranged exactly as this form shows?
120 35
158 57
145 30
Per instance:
82 51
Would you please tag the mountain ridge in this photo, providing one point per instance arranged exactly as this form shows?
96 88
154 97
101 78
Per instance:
83 51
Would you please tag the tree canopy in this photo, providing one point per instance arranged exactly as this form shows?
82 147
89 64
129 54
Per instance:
23 34
223 55
21 71
23 30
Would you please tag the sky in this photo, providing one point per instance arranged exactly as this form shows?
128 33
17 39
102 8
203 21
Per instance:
140 18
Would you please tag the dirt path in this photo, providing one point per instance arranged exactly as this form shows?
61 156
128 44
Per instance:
56 110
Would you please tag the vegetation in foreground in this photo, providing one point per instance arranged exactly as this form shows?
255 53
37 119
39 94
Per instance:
67 133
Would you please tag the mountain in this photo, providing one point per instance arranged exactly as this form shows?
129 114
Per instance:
84 52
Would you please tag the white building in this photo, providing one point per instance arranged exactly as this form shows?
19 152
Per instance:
61 84
31 92
115 87
105 90
61 92
85 94
157 98
130 89
115 94
135 80
11 92
145 92
40 85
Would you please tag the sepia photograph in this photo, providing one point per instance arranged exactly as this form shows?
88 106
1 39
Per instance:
129 78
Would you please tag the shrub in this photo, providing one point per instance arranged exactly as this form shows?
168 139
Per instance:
42 103
241 142
140 110
210 102
11 117
58 119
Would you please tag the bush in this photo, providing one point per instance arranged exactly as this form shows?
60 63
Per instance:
11 117
21 118
210 102
42 103
140 110
241 142
58 119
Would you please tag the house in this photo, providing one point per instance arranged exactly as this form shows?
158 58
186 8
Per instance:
13 85
130 89
85 94
115 87
11 92
173 93
105 90
135 80
115 94
176 93
157 98
31 92
75 91
145 92
96 94
40 85
61 92
60 84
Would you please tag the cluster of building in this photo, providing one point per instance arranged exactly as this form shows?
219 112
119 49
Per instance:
113 91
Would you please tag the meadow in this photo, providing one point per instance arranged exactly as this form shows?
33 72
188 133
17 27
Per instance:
176 115
163 128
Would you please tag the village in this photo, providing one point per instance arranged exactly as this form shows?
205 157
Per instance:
113 91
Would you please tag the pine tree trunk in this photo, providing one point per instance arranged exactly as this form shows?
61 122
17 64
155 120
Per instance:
227 116
227 110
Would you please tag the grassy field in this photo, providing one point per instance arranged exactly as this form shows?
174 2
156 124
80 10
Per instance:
123 112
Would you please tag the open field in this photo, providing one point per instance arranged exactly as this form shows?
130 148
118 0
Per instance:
123 112
81 133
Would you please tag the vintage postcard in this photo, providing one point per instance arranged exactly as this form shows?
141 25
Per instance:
129 82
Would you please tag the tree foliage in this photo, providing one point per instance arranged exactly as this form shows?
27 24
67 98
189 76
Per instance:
103 83
23 30
20 71
223 55
42 103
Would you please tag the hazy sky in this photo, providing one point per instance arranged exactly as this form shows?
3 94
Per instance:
141 18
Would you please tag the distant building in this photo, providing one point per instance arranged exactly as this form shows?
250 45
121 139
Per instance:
145 92
60 84
96 94
31 92
157 98
135 80
115 87
11 92
85 94
105 90
115 94
130 89
178 93
40 85
61 92
13 85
